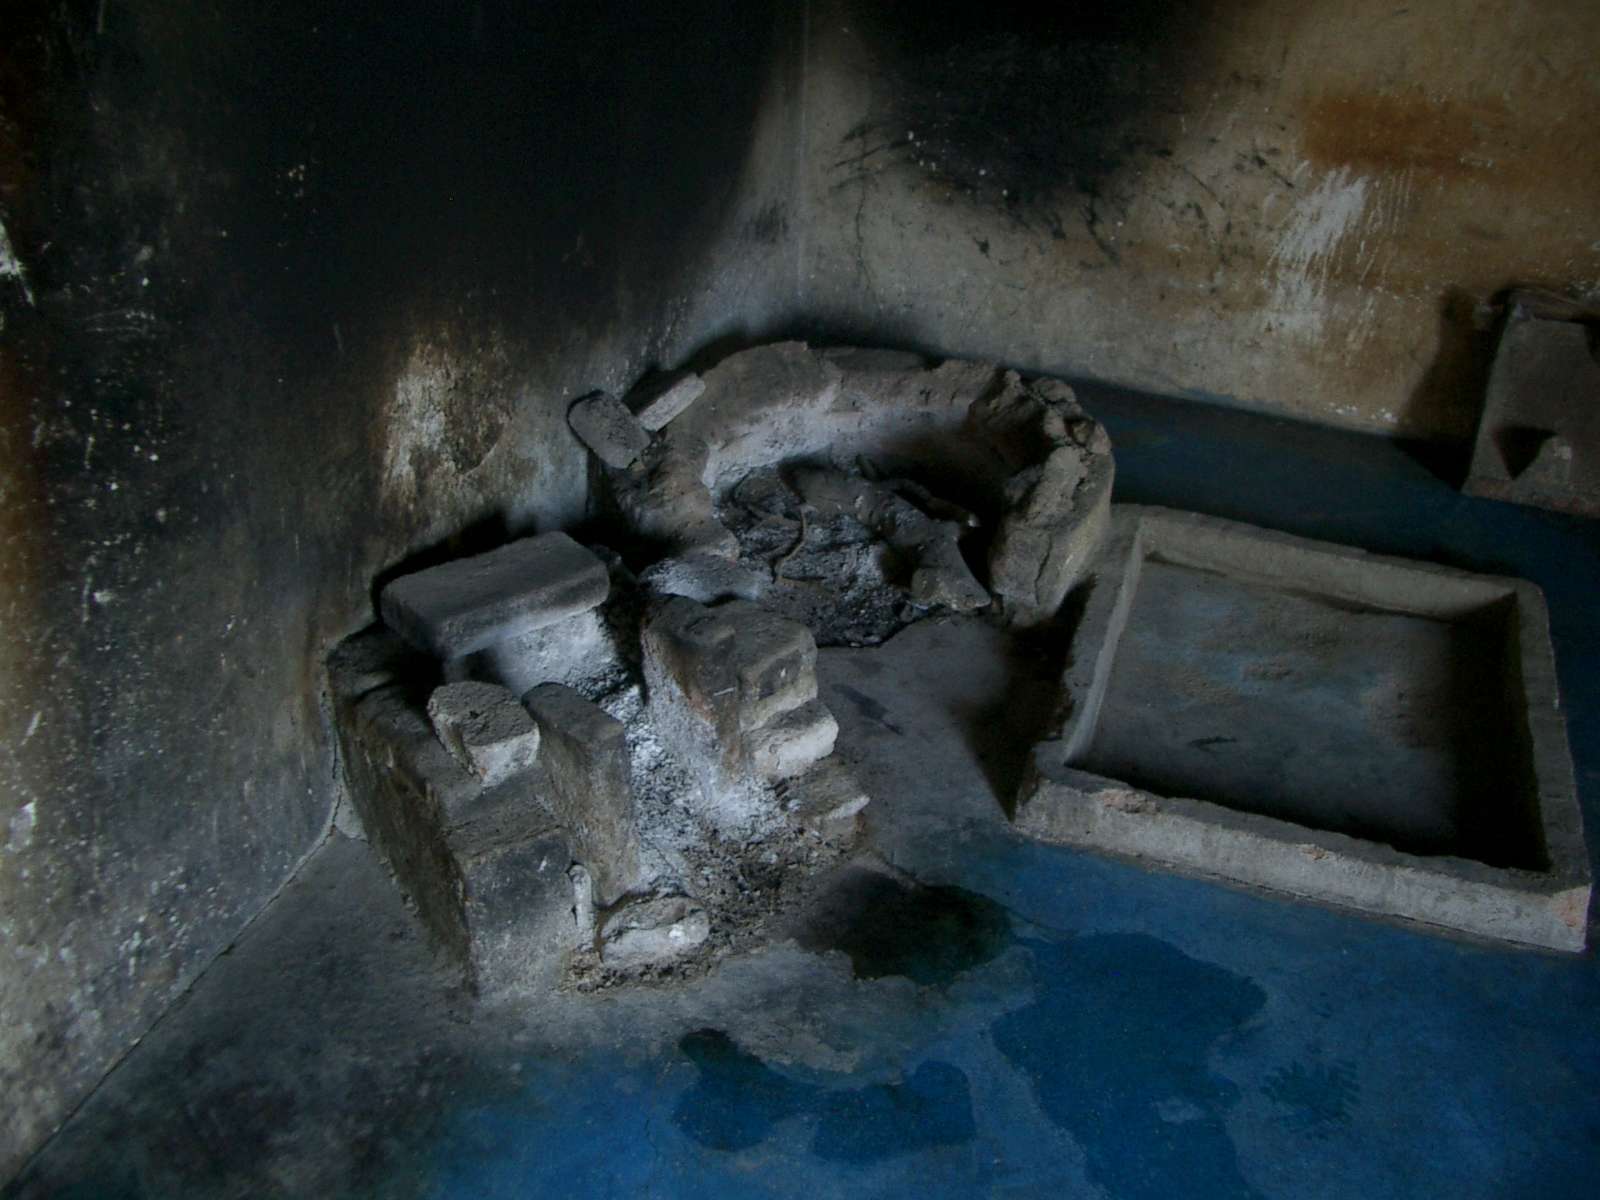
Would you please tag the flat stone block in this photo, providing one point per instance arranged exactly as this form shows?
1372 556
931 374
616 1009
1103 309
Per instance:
486 728
604 424
459 607
584 755
1379 734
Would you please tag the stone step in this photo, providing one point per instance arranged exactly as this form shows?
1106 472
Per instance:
792 741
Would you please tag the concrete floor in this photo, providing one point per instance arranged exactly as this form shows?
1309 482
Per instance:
1021 1020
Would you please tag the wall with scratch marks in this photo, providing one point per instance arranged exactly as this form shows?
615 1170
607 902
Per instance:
1304 208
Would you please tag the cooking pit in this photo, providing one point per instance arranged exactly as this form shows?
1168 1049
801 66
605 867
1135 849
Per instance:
606 762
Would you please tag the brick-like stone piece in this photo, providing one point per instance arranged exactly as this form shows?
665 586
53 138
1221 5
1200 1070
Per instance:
486 728
459 607
604 424
583 751
657 403
827 802
733 691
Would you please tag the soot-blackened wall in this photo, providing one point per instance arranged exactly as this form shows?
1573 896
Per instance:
289 293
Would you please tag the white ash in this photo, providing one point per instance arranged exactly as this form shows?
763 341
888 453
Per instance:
742 878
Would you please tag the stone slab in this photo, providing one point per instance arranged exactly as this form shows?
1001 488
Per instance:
460 607
584 753
1215 724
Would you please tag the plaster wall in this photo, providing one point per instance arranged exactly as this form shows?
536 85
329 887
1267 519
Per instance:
1303 208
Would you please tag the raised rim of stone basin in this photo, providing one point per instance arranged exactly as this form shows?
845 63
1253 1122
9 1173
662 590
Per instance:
1542 901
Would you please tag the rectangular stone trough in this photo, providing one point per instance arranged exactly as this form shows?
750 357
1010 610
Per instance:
1371 732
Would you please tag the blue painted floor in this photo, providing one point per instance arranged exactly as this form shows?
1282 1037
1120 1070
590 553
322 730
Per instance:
1025 1021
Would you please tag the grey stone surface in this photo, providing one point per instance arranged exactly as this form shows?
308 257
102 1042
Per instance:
484 866
485 726
604 424
1376 733
657 402
460 607
655 929
1538 439
584 754
705 578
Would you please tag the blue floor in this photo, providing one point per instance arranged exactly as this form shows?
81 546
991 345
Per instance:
1154 1036
1041 1022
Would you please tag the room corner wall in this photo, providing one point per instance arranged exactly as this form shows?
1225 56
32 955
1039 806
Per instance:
1299 208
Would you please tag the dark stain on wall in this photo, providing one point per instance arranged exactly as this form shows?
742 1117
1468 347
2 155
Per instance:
1014 103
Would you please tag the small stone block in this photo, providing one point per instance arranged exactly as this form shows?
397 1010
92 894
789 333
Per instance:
604 424
584 752
486 728
737 661
462 606
657 405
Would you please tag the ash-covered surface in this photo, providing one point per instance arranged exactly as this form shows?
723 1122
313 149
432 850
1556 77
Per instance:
744 878
830 573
